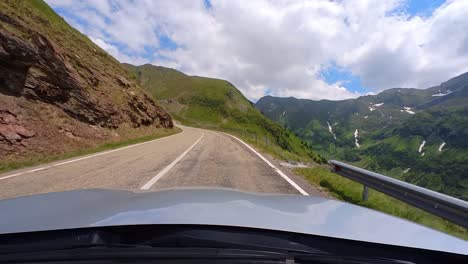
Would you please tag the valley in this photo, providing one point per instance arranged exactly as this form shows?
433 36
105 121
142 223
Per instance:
417 135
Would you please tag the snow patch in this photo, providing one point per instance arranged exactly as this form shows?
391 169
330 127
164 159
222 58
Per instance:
442 94
330 129
441 146
356 136
373 107
405 171
408 110
366 117
422 146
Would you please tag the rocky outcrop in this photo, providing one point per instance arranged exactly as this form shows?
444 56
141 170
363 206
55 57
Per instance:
147 109
59 91
12 131
39 69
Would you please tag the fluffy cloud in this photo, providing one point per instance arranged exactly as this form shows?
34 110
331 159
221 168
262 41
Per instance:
282 47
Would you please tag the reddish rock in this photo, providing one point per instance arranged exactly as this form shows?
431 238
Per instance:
14 133
123 82
22 131
10 128
7 118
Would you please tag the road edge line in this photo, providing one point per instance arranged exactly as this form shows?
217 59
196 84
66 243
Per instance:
282 174
160 174
82 158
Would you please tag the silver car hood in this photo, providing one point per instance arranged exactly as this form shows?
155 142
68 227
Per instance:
292 213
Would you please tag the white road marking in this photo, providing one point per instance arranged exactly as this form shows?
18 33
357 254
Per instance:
82 158
293 184
169 167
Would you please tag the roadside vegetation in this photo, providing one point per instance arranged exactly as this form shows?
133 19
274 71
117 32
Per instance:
7 165
350 191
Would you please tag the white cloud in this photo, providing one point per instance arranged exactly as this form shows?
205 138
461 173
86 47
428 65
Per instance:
280 47
114 51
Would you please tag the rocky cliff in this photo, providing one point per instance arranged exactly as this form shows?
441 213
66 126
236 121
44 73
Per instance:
58 90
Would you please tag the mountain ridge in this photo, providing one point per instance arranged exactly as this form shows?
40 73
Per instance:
384 132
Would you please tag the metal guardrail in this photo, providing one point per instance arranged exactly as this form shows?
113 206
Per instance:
447 207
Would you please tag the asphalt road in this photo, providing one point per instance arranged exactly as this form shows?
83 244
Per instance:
192 158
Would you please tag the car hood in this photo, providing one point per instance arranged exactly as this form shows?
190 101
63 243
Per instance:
291 213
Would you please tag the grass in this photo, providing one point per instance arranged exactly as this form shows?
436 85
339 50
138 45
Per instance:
351 191
7 166
267 147
261 142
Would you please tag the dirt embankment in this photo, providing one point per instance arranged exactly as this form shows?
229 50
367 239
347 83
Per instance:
53 98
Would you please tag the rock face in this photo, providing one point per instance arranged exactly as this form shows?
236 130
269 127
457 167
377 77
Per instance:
53 77
38 69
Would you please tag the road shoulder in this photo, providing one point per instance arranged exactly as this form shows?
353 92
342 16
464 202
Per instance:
302 183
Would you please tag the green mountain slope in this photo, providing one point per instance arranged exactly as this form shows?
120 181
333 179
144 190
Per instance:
384 132
60 92
217 104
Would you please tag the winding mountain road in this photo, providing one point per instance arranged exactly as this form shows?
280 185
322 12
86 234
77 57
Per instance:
193 158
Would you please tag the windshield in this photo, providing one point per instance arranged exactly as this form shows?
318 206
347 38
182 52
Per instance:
358 109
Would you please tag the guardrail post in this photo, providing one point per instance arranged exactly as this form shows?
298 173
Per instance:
365 193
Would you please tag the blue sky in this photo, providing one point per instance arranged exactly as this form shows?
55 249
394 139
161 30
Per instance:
423 7
334 74
316 49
